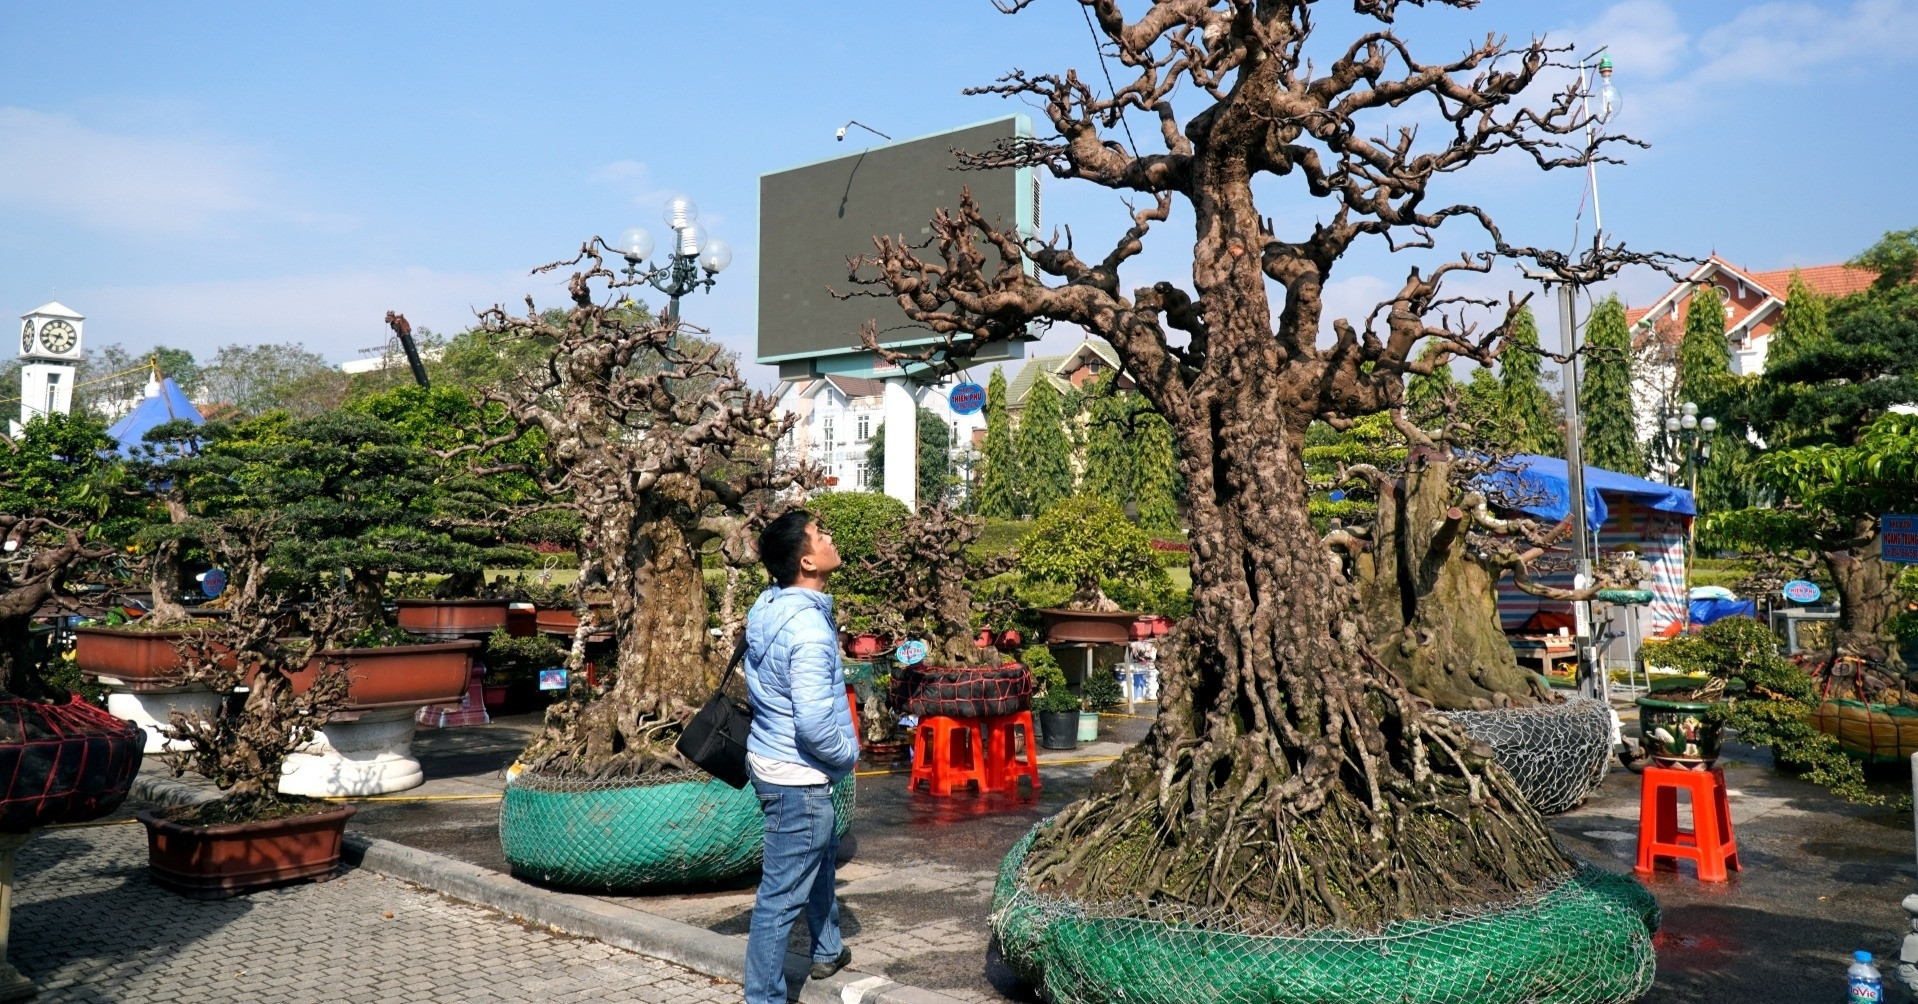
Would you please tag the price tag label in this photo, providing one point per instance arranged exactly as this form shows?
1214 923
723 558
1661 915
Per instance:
911 653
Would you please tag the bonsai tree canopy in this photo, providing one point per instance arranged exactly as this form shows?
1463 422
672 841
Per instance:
1083 542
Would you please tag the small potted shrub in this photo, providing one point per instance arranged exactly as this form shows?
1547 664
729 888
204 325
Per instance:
1056 707
1084 543
1100 692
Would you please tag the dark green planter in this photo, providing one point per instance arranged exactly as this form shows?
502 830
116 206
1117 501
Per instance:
1058 730
1679 733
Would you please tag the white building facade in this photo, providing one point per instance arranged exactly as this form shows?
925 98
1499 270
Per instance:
835 418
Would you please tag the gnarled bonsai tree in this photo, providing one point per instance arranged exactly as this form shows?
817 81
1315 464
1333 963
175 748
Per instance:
1425 564
1290 778
928 576
656 443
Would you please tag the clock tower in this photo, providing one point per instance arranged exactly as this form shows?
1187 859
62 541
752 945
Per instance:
49 350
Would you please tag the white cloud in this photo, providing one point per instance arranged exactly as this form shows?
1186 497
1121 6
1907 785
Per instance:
335 314
54 165
634 180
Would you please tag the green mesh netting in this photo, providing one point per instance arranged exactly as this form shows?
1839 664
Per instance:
1584 941
673 828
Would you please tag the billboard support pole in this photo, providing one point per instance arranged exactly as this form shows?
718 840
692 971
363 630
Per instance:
902 442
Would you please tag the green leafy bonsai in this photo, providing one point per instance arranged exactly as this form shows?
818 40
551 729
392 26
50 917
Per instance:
1767 699
1055 697
1084 543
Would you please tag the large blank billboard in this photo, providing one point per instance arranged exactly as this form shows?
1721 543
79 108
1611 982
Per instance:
815 216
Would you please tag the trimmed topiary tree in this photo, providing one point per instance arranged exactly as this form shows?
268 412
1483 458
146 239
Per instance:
1085 542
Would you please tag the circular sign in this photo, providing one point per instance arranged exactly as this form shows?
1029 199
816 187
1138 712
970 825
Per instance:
967 398
213 583
1336 495
1800 591
911 653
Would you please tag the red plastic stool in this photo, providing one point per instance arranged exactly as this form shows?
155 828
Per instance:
938 746
1709 843
1003 767
852 702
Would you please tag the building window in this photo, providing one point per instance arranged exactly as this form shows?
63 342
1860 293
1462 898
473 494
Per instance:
865 427
827 427
864 478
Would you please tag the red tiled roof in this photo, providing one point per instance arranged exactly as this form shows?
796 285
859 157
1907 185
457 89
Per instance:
1831 280
856 386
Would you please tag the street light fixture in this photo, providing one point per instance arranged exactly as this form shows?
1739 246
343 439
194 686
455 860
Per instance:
1688 437
692 253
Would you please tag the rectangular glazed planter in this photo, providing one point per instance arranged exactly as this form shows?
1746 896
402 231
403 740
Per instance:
398 676
1088 627
130 660
452 618
215 862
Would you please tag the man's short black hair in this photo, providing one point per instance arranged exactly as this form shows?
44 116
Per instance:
783 543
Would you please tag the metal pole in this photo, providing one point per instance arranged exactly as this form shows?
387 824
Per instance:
1590 678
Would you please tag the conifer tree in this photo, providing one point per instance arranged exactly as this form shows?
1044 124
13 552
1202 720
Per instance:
1110 440
1045 454
1705 378
1529 408
1804 324
1155 477
1611 428
998 487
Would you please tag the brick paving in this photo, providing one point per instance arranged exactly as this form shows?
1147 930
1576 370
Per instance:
88 926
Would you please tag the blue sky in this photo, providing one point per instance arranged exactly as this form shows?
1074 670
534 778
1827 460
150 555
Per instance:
197 174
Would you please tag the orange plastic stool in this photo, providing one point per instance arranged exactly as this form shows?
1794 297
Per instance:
852 702
1004 768
1709 843
938 745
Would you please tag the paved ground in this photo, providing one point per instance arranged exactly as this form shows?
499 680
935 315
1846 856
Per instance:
358 939
1822 877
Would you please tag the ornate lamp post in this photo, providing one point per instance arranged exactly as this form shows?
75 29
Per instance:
1688 437
692 253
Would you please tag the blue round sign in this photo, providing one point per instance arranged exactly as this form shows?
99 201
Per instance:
911 653
967 398
213 583
1800 591
1336 495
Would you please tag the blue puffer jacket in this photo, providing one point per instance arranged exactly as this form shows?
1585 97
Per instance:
797 686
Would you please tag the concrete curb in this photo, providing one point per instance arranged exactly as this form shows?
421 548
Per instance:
695 948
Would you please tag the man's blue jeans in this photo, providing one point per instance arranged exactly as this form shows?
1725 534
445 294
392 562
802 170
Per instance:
800 847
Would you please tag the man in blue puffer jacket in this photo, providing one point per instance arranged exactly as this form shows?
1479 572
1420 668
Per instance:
802 740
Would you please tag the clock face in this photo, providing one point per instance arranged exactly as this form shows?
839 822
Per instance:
58 336
26 337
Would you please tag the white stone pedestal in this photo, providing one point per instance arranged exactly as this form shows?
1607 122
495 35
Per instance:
370 755
13 986
152 709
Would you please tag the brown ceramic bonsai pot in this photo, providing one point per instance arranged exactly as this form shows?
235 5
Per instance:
565 621
1088 627
130 660
452 618
398 676
215 862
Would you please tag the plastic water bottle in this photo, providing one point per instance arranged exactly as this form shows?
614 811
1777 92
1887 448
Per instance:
1863 984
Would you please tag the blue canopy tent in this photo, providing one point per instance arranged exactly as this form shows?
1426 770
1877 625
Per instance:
1622 511
164 402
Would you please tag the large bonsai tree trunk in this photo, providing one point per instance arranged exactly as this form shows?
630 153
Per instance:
664 666
163 571
1429 610
1289 776
1867 601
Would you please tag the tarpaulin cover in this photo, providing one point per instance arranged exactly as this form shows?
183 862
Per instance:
169 404
1548 477
1705 611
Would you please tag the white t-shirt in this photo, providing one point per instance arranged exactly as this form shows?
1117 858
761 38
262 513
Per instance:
780 772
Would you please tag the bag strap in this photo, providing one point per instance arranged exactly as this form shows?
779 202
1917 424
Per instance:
739 655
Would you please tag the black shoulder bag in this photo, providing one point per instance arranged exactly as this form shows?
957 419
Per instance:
715 738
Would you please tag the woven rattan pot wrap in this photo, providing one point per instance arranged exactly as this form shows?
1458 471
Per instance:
1556 753
677 828
1584 941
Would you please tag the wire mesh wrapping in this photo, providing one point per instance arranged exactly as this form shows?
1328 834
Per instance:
1585 940
671 828
63 762
1556 753
962 691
